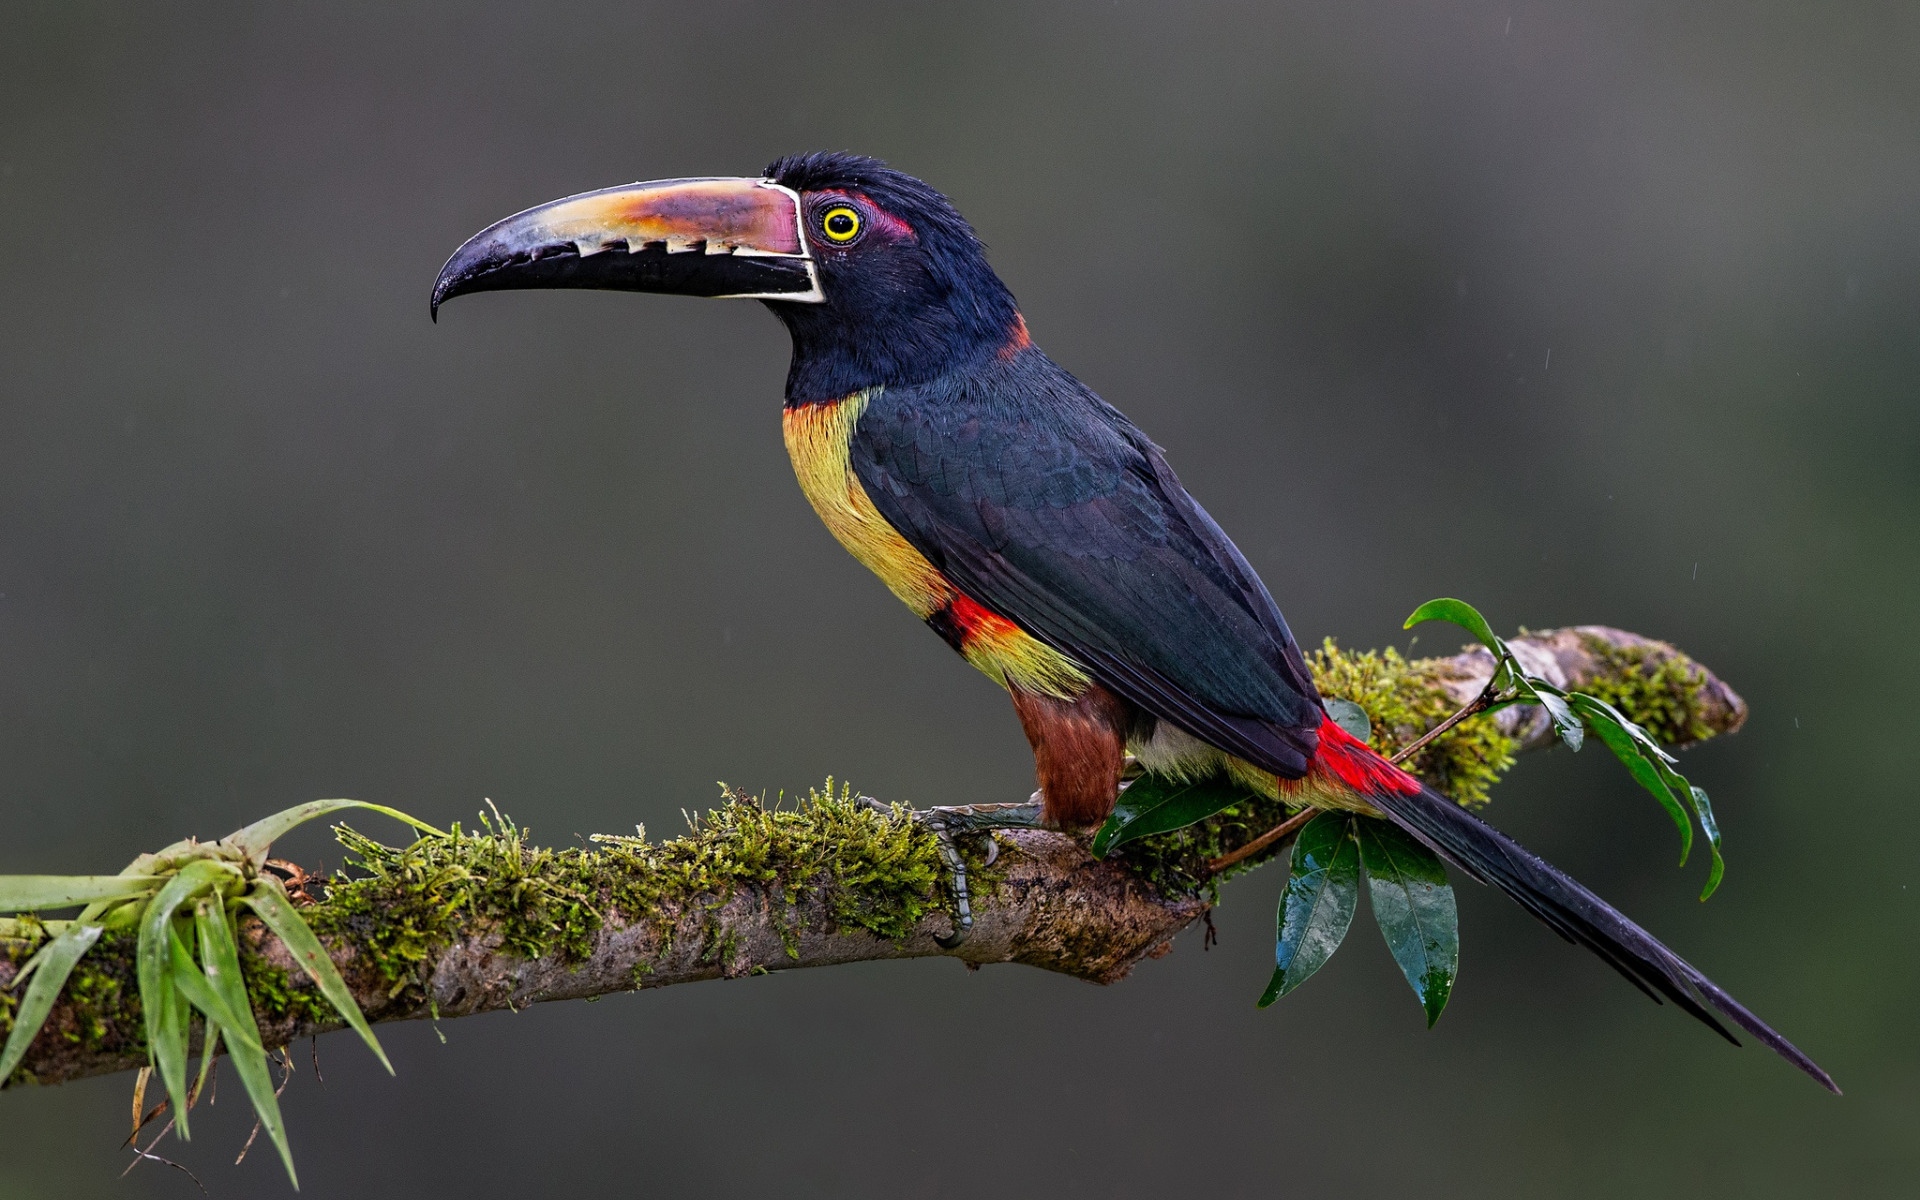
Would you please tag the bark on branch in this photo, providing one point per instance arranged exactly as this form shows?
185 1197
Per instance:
483 921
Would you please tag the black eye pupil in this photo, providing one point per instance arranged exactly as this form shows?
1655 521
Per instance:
840 223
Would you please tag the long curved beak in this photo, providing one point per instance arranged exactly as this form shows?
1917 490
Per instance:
725 238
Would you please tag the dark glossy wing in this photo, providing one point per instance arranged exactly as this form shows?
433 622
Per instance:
1037 499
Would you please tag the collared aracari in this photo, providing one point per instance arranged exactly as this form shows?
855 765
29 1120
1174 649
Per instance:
1022 517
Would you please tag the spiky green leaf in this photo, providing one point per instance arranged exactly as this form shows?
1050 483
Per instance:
160 999
1414 905
199 991
220 954
209 1046
269 900
51 965
254 840
38 893
1316 908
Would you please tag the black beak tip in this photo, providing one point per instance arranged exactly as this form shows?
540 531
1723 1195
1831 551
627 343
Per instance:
471 269
446 287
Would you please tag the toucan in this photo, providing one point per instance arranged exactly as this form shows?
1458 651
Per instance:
1023 518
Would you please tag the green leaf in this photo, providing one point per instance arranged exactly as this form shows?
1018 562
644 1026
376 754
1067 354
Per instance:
194 985
222 958
254 840
1651 765
1704 810
52 963
269 899
35 893
1317 906
160 1000
1559 711
1677 784
1349 716
1155 804
1462 614
1413 903
1618 733
209 1046
168 1046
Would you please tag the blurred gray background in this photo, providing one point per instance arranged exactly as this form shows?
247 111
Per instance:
1600 312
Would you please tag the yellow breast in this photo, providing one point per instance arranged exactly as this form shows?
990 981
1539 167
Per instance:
819 438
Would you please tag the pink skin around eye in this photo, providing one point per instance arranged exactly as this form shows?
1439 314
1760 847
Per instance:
878 219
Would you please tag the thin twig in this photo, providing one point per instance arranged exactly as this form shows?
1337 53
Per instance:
143 1155
1485 700
1290 825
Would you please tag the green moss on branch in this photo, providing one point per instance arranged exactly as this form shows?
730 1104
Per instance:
870 870
486 920
1664 691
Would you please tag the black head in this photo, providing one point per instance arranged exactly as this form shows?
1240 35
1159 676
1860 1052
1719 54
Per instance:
875 275
909 294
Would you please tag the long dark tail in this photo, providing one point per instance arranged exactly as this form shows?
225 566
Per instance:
1575 913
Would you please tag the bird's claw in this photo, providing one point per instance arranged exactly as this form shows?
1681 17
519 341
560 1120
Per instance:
951 823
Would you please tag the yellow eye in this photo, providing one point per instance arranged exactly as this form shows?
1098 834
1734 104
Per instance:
841 223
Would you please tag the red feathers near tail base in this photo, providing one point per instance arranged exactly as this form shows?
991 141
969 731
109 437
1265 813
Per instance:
1348 761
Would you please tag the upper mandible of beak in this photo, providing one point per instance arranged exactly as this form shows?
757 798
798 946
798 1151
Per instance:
733 238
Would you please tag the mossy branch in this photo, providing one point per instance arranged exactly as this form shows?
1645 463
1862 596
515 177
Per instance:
483 921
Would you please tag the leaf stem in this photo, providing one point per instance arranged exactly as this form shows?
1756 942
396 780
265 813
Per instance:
1290 825
1487 698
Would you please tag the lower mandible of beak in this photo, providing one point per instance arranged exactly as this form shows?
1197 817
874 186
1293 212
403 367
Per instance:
731 238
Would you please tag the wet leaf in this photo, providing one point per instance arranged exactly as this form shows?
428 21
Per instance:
1618 733
269 900
51 965
1413 904
1678 785
1462 614
1349 716
1565 723
1704 810
1323 887
1155 804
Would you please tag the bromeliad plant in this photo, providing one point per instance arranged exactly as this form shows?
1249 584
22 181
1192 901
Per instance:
183 902
1407 883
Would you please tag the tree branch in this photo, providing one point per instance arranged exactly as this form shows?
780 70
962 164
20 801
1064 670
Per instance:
483 921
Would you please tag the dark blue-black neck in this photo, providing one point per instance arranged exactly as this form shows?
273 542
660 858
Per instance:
898 326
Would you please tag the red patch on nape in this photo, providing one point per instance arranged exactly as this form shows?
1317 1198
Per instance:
1347 760
1018 339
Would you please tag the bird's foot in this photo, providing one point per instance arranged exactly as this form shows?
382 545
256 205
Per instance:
951 823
